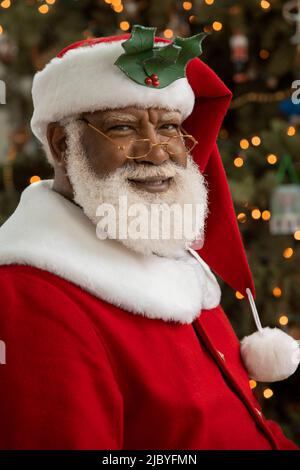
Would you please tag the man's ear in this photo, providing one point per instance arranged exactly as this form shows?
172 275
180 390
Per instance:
57 142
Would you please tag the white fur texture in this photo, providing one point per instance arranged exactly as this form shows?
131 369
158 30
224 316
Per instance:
49 232
86 79
270 355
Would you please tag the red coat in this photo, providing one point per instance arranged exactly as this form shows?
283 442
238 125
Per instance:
81 373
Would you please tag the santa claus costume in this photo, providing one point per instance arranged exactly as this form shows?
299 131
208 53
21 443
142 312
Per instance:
107 348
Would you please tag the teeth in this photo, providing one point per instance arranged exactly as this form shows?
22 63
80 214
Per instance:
156 182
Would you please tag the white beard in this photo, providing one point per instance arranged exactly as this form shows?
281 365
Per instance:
188 187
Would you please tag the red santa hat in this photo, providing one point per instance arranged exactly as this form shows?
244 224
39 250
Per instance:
83 77
96 74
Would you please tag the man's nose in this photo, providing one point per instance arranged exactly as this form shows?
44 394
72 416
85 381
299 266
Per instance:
158 153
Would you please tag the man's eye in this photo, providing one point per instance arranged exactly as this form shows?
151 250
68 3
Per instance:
170 126
120 127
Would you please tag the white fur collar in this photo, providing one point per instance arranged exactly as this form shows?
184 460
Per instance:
49 232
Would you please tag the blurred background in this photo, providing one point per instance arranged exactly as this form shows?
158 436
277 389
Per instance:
254 46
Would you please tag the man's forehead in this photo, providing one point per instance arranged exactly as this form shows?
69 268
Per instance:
135 113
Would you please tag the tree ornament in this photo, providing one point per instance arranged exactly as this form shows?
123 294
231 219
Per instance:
285 201
291 13
132 9
291 110
239 56
8 49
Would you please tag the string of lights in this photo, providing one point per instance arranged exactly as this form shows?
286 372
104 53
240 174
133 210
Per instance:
263 98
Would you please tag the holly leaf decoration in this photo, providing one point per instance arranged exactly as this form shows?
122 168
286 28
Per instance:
190 47
163 58
143 60
142 39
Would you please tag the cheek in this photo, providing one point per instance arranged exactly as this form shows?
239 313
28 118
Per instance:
103 158
181 160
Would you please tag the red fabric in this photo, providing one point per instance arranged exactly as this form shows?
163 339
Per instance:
84 374
92 41
222 236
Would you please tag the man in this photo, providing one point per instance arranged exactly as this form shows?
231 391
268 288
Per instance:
114 332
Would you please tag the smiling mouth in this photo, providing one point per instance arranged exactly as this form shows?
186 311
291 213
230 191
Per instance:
154 184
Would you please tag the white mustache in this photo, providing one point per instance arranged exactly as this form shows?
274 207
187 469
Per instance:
140 171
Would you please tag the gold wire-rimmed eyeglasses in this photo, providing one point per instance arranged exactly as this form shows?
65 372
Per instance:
141 148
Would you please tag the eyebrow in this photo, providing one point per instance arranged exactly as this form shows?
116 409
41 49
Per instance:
170 115
133 119
120 117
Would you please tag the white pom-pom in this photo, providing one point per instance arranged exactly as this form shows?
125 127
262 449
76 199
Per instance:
270 355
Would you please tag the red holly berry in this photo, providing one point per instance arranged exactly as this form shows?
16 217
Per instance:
154 77
155 83
148 81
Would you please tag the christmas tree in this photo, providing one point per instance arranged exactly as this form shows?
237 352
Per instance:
254 47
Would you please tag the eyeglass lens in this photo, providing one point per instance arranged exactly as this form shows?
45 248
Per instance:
174 146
